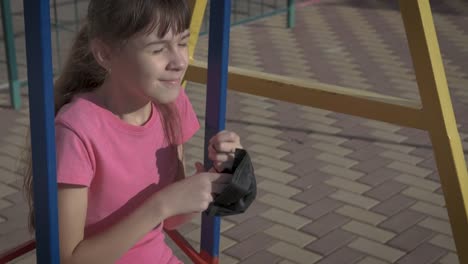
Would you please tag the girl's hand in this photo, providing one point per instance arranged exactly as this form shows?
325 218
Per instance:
222 148
192 194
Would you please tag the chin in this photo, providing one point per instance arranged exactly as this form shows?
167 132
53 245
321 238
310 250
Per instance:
166 97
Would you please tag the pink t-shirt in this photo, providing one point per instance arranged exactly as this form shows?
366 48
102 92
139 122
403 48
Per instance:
121 164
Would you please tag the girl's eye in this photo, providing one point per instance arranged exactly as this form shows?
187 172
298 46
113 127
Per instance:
157 51
183 44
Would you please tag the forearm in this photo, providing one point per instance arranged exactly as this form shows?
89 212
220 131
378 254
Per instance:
178 220
111 244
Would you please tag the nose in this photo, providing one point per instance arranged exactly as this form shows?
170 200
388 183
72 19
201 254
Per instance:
178 60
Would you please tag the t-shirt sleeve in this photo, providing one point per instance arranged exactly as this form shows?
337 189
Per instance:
74 162
188 118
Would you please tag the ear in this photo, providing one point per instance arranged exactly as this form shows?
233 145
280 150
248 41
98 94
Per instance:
102 53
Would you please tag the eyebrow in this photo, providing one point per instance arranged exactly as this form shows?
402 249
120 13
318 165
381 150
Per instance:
156 42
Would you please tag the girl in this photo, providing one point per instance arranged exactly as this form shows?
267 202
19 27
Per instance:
121 120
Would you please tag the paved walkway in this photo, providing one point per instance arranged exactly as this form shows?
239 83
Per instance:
332 188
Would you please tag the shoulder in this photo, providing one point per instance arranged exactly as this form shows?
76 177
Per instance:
79 115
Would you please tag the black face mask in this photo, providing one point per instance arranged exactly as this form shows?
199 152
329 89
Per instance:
241 190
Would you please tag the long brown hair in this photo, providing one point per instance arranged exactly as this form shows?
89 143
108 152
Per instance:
114 21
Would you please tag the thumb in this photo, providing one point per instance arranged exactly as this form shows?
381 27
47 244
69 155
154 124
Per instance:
199 167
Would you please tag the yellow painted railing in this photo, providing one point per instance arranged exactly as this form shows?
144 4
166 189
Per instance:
435 115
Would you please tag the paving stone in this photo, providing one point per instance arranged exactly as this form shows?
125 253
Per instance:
343 255
417 182
268 151
7 176
268 141
293 253
376 249
320 128
354 199
318 118
281 202
331 148
381 125
342 172
360 214
325 224
263 130
261 257
255 209
402 221
450 258
444 241
411 238
320 208
410 169
309 180
303 154
426 196
347 185
362 155
290 235
332 241
249 110
278 188
337 160
272 163
426 253
250 246
6 190
368 231
378 176
432 210
248 228
332 139
385 190
393 205
315 193
437 225
371 260
402 157
275 175
307 167
285 218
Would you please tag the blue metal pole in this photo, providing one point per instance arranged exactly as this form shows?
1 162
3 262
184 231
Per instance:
218 61
41 101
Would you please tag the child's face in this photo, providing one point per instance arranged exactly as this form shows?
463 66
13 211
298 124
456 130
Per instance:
151 67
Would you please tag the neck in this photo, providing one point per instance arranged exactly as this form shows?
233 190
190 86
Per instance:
131 109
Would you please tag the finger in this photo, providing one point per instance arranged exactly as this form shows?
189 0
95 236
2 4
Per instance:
225 135
220 166
199 167
218 187
225 147
221 157
219 177
211 150
224 178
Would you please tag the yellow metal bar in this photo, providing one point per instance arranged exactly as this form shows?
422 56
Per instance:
198 8
440 118
334 98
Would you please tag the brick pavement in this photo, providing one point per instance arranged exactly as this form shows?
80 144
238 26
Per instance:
332 188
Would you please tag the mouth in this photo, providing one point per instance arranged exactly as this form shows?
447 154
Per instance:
171 81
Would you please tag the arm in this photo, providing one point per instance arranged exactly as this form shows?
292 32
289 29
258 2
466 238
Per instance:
178 220
107 246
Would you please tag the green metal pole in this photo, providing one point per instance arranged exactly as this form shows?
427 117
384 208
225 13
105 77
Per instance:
77 17
291 13
7 22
